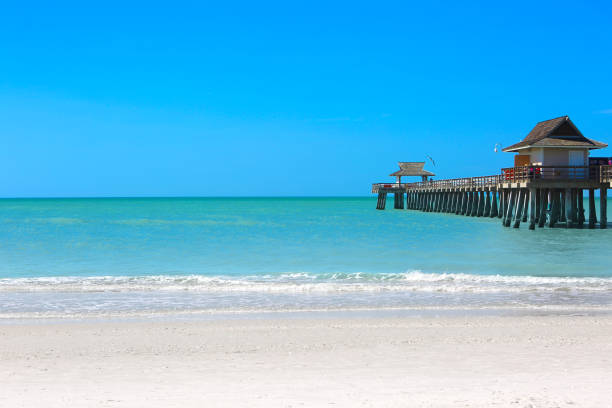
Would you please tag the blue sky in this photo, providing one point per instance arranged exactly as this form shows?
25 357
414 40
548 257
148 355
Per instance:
312 98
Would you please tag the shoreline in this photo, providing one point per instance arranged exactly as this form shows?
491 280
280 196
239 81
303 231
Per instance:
300 314
426 361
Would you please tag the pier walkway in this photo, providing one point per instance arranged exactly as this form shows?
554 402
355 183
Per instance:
539 195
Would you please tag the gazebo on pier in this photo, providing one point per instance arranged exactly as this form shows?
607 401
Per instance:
411 169
407 169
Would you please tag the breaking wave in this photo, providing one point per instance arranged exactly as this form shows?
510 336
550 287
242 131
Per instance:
414 281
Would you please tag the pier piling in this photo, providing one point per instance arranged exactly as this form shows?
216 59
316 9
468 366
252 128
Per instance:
603 208
519 208
543 207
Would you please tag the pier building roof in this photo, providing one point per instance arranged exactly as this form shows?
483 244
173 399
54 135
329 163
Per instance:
557 132
412 169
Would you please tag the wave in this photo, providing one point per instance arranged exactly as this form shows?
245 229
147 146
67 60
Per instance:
302 282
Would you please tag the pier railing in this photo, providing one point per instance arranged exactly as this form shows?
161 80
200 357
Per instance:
388 186
509 175
525 173
472 182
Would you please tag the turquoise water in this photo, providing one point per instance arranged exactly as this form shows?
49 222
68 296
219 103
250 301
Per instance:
67 256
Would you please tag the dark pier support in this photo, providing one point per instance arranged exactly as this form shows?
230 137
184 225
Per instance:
474 210
382 201
494 210
525 206
464 200
481 204
538 199
563 206
509 211
569 208
554 208
519 208
487 205
603 208
398 201
533 195
503 199
543 207
468 210
592 213
445 201
580 198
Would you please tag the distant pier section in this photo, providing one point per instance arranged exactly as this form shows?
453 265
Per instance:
552 171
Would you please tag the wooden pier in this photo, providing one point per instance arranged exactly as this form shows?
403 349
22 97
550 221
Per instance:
533 191
539 196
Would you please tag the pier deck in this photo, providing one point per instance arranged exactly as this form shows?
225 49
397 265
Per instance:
539 195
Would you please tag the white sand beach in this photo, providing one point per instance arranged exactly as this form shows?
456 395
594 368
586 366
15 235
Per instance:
550 361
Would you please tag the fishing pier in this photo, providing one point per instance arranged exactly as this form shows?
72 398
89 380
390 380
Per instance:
545 187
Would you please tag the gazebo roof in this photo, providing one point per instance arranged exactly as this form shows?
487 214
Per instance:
412 169
557 132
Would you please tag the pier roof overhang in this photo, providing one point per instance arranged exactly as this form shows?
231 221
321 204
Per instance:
412 169
558 132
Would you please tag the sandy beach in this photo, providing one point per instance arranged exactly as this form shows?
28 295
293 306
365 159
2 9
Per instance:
522 361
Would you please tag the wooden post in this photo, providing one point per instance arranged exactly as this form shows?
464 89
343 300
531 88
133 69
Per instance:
592 213
509 211
542 207
481 204
494 211
533 195
580 198
554 208
519 208
537 206
563 206
487 205
474 204
603 208
525 214
503 204
569 219
445 201
458 202
382 200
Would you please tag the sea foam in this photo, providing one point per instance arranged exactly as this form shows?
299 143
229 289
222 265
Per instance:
302 282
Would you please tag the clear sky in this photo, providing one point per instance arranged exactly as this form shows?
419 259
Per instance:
260 98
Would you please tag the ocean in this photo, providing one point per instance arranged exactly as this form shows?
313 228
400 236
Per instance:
159 256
